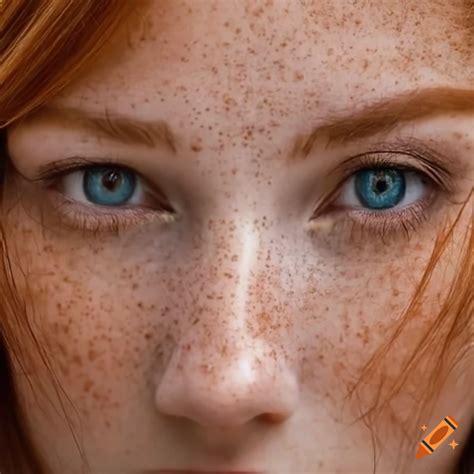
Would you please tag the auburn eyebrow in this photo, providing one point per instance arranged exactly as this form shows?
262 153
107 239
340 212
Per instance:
116 127
336 128
383 116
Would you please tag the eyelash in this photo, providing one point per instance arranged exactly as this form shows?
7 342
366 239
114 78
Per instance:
361 224
93 218
386 222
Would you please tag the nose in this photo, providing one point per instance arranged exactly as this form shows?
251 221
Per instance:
223 392
221 374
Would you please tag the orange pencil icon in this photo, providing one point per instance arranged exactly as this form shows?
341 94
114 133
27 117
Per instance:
437 437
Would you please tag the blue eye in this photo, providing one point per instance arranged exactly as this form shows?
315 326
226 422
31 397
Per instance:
377 189
108 186
380 188
108 197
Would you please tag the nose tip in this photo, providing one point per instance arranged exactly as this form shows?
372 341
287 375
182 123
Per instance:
226 394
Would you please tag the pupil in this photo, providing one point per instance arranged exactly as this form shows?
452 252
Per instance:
381 185
111 180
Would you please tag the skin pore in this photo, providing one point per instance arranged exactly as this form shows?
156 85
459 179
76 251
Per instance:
226 333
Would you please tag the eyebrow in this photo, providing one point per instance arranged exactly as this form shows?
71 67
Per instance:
336 128
383 116
130 131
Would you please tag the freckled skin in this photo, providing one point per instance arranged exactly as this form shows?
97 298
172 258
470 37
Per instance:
229 338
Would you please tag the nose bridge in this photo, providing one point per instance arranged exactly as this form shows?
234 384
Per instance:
242 281
246 248
220 372
229 257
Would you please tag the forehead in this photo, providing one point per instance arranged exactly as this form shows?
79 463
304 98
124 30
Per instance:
332 51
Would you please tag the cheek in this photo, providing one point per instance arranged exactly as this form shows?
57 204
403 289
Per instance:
96 317
109 311
356 308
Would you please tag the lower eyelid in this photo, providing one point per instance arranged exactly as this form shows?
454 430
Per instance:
364 223
79 216
364 226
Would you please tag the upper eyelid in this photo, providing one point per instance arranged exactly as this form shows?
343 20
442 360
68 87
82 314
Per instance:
418 158
411 147
57 170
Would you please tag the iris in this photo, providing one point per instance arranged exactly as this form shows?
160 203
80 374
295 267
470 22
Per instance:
380 188
109 186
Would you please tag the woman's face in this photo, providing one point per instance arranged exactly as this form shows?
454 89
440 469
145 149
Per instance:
206 290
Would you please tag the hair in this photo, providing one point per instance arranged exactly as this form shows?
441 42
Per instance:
43 46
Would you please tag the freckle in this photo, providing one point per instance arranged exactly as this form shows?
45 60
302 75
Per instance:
77 359
298 76
88 385
135 286
140 305
196 148
92 355
147 335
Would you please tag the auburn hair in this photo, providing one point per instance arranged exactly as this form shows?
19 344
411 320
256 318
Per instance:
44 44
